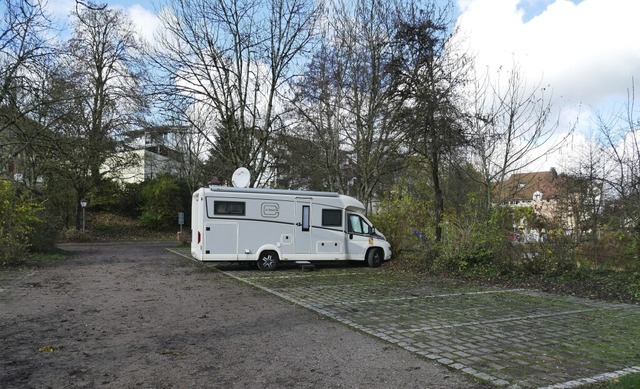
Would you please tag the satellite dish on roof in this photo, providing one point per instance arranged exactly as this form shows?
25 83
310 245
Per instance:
241 177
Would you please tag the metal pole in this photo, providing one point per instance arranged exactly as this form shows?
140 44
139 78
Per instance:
83 220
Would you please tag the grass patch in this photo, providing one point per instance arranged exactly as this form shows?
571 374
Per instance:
630 381
46 258
594 284
57 255
35 260
601 284
102 226
627 382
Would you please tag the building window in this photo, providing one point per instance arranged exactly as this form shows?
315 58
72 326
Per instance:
332 218
537 196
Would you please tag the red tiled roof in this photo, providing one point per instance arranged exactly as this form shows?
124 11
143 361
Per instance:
522 186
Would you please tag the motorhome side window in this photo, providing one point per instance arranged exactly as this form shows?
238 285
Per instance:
306 214
357 225
235 208
332 218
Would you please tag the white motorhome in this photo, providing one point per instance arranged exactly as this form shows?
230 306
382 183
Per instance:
269 226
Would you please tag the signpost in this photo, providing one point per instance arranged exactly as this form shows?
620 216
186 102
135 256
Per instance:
180 220
179 236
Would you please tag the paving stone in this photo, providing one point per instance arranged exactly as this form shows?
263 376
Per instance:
515 337
445 361
499 382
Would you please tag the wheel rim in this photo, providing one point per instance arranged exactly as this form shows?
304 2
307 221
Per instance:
377 258
267 261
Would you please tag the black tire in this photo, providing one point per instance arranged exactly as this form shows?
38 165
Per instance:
375 257
268 261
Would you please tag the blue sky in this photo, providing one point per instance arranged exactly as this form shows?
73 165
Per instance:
587 51
533 8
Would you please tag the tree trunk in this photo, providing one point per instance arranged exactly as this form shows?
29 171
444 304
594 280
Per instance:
437 190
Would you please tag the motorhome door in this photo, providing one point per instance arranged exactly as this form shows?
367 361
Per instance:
302 235
359 236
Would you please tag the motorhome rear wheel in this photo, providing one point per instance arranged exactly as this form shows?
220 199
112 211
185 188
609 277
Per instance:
268 261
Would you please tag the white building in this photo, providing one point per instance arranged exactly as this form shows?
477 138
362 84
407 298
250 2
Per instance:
149 152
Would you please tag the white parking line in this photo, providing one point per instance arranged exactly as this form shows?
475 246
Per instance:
503 320
429 296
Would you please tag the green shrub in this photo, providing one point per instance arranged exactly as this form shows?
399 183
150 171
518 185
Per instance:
44 235
551 257
616 250
402 217
473 240
162 199
119 199
18 218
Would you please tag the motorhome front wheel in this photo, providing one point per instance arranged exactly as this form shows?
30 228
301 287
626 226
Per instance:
375 257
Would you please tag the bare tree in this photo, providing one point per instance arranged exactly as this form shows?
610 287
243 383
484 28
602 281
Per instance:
318 114
345 100
620 141
24 54
231 62
581 197
510 124
192 147
106 57
96 95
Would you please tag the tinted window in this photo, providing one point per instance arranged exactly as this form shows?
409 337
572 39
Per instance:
229 208
332 217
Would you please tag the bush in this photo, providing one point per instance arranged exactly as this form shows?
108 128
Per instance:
611 250
473 240
18 218
162 199
120 199
552 257
44 235
402 217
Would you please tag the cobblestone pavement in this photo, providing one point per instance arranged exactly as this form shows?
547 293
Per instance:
508 337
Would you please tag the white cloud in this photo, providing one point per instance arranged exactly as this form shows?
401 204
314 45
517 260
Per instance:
146 21
586 51
60 8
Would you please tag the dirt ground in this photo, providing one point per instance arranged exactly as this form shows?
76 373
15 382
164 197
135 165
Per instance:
133 315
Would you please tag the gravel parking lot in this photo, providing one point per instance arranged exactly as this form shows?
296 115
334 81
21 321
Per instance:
125 315
134 315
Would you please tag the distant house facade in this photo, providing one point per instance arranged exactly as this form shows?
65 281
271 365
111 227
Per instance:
150 152
538 190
